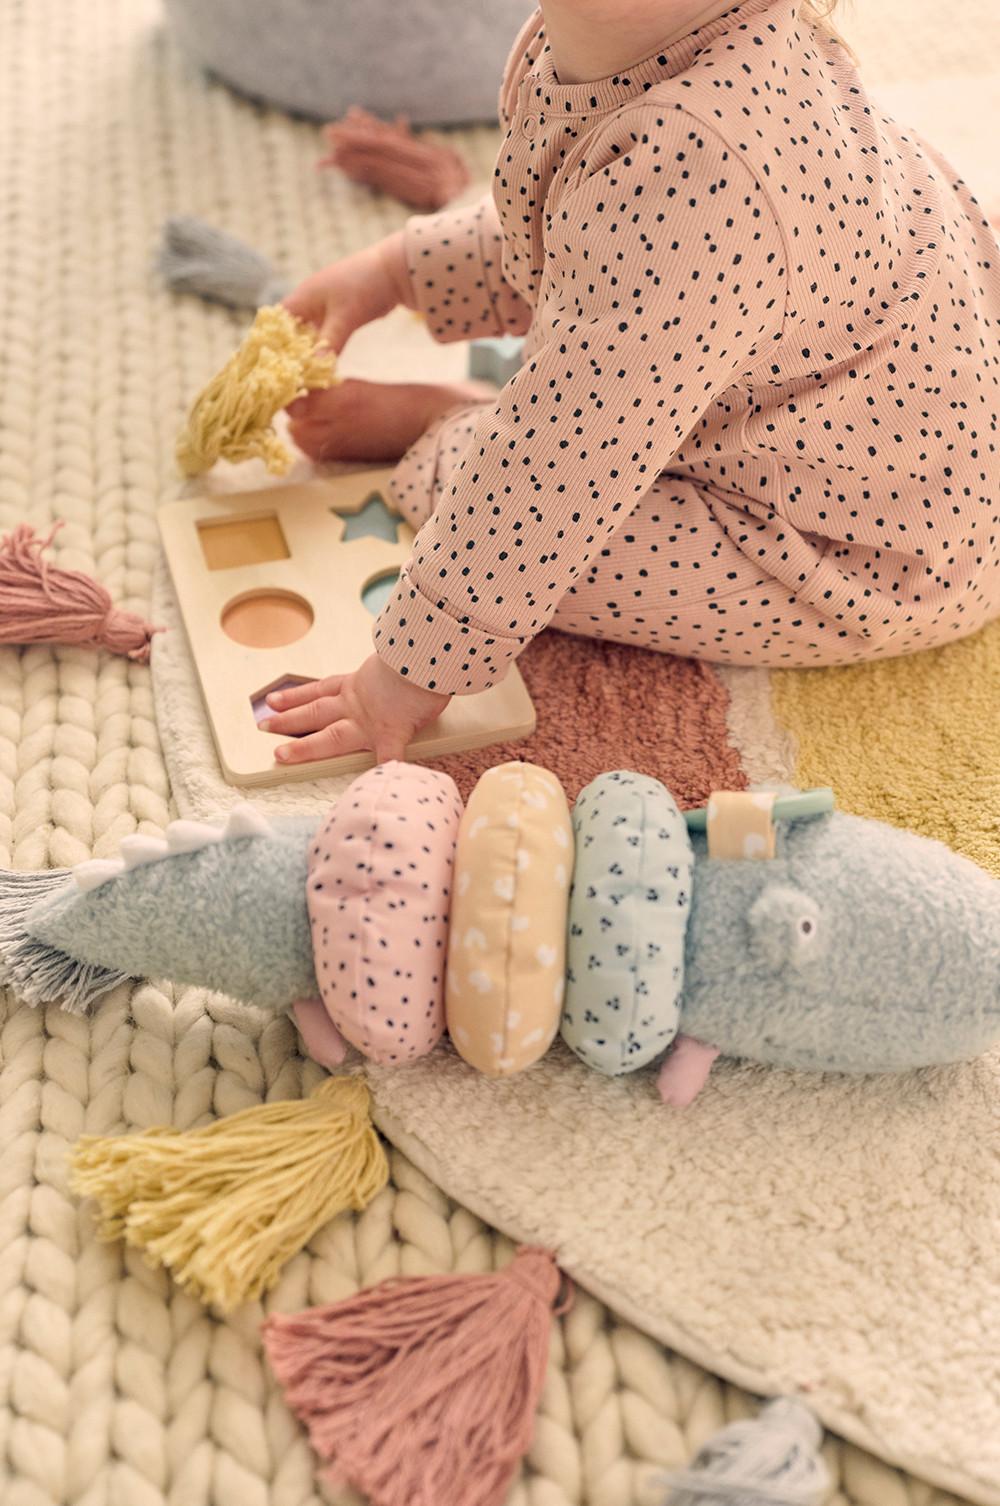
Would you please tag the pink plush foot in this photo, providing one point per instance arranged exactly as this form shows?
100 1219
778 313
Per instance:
322 1040
685 1071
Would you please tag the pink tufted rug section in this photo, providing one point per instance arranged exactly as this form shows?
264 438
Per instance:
604 706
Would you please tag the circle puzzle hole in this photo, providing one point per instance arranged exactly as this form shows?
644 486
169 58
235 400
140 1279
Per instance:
267 619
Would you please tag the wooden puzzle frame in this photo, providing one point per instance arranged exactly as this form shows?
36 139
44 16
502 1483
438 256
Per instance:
320 573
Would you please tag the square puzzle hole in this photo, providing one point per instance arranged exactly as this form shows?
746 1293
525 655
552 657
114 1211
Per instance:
230 543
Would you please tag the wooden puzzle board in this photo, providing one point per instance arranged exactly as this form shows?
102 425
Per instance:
271 590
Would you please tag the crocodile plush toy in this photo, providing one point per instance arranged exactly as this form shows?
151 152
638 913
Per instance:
844 945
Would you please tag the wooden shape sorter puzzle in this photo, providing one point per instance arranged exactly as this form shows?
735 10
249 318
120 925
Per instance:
282 586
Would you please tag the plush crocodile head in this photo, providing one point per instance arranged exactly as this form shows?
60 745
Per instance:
857 948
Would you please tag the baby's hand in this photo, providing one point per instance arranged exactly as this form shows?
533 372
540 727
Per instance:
373 710
353 291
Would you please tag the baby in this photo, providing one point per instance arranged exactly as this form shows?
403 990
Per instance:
757 418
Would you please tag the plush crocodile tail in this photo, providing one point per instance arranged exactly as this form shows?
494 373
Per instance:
218 905
39 973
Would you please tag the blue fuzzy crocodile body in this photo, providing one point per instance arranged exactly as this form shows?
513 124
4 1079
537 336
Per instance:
858 948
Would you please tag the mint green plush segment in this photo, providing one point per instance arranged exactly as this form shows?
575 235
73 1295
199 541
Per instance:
628 917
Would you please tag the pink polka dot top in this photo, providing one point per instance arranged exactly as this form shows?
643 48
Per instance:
732 270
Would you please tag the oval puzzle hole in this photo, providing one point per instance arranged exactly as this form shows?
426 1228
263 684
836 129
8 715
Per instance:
267 619
378 591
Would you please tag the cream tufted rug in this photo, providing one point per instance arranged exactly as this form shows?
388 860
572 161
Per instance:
116 1391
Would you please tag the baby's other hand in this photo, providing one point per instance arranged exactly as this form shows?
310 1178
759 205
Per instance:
345 422
373 710
374 422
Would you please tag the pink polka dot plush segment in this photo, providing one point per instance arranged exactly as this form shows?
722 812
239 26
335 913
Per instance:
379 897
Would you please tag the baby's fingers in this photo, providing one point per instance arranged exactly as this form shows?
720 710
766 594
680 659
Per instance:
300 695
334 741
311 717
302 303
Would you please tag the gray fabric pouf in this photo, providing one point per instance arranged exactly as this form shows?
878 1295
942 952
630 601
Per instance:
435 61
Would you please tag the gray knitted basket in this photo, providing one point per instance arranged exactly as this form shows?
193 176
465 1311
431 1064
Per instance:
435 61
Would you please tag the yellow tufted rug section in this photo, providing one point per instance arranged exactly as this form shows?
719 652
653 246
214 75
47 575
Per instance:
915 741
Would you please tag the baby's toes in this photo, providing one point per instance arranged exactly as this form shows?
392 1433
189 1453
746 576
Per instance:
324 423
316 439
370 421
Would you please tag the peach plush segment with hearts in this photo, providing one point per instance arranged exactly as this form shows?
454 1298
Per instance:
379 896
506 958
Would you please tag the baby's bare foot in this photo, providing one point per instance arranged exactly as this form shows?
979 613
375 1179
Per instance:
375 421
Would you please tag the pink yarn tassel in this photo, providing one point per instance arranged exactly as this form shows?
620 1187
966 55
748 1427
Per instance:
40 603
423 1392
423 173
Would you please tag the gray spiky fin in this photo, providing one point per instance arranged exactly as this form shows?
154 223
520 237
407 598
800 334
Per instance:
181 837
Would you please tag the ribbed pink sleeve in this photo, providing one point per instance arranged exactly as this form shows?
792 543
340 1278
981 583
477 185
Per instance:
456 274
664 277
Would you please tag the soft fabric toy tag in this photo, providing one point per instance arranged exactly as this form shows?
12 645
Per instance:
741 825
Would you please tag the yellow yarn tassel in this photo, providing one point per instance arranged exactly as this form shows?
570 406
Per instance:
224 1207
278 361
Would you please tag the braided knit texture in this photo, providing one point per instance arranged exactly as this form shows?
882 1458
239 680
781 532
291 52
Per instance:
114 1387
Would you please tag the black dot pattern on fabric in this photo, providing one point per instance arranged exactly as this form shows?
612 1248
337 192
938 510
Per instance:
757 418
379 898
628 915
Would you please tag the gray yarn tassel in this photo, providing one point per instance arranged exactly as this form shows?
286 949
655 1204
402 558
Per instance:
195 257
771 1460
40 974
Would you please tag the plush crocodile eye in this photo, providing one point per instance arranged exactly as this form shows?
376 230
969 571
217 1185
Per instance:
786 929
